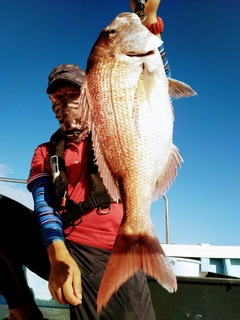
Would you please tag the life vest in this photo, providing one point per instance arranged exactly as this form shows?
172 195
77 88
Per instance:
72 211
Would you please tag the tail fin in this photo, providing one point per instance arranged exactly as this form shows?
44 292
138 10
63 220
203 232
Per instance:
130 253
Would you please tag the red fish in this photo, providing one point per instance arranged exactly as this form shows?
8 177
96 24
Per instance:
129 111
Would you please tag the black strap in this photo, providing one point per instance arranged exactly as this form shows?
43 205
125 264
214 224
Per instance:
99 198
75 211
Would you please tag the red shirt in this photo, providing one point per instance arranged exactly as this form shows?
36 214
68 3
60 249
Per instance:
95 229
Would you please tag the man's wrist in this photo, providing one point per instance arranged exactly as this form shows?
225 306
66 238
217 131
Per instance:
156 27
57 250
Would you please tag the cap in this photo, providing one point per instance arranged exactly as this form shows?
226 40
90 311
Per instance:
65 72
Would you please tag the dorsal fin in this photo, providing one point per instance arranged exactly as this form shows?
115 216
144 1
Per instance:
178 89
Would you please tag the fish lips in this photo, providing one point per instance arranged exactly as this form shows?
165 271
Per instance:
148 44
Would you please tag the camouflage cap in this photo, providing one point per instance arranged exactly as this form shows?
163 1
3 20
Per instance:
65 72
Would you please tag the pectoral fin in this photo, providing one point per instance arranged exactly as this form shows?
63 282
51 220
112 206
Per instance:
166 178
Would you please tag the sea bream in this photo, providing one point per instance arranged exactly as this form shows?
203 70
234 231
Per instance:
128 109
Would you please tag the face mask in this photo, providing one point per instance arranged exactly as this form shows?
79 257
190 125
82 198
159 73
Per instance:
68 114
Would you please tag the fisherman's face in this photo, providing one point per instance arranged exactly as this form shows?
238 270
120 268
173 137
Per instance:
66 106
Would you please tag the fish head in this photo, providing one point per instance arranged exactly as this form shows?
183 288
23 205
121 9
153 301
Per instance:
125 37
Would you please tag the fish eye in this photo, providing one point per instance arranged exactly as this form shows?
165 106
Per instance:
111 32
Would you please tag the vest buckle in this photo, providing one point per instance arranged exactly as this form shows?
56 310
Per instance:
105 210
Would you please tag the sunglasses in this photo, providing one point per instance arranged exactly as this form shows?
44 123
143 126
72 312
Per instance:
71 95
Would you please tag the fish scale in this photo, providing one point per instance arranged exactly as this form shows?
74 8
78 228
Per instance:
128 108
114 118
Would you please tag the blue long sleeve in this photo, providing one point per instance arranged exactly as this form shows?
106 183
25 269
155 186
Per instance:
167 69
162 52
48 219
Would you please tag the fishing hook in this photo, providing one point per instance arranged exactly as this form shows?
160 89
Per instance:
139 9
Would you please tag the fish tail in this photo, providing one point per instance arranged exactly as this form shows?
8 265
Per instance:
131 253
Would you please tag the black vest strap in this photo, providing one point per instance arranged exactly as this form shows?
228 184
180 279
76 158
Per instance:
72 211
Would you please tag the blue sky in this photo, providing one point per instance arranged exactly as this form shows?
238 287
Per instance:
202 41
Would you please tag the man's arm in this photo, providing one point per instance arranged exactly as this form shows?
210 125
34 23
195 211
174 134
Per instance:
65 276
151 8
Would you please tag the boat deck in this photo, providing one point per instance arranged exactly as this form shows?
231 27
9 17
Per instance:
208 298
50 309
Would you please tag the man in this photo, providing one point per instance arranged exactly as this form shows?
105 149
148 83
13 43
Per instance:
77 221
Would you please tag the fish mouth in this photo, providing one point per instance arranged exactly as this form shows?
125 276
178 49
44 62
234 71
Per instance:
131 54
